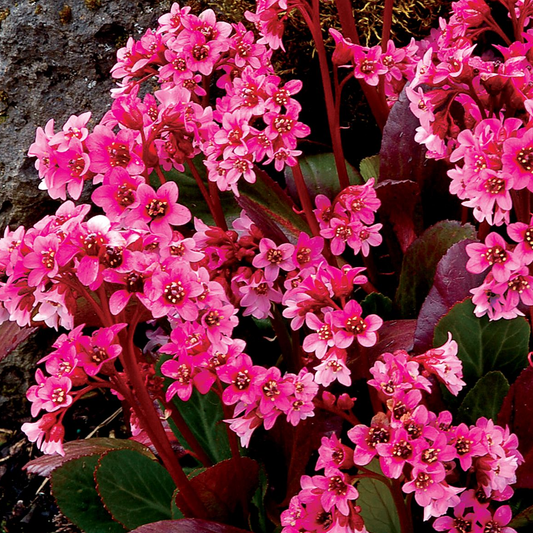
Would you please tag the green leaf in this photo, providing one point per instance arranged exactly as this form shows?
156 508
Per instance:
204 414
377 504
134 489
485 345
523 519
420 263
377 304
74 489
485 398
320 176
369 167
258 520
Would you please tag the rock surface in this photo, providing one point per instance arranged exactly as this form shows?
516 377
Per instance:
55 58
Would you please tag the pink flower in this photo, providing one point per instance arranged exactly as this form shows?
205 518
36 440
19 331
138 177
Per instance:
354 326
273 258
158 209
444 363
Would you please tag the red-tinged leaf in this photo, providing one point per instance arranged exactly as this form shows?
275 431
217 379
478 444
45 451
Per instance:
400 209
524 473
187 525
517 411
224 486
421 260
271 209
393 335
402 158
46 464
452 284
11 335
284 467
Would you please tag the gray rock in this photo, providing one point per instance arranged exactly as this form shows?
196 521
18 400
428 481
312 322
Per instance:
53 63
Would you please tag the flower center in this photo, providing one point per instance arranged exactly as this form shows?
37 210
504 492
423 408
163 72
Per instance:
402 449
496 254
356 325
525 158
156 208
242 380
119 155
462 445
174 292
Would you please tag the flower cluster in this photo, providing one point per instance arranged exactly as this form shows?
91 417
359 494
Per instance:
423 451
348 220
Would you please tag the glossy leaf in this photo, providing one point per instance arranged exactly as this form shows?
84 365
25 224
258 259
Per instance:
224 486
485 398
134 489
45 464
452 284
187 525
75 492
485 345
369 167
203 414
320 176
420 263
271 209
377 504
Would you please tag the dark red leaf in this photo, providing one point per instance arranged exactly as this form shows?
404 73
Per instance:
452 284
524 473
393 335
224 486
517 412
399 205
187 525
11 335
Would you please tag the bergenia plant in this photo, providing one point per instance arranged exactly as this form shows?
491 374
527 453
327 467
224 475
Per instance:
297 346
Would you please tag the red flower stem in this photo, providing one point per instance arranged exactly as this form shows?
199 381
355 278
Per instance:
188 435
219 212
305 199
349 29
216 211
151 423
406 525
160 175
78 287
313 22
387 24
104 304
